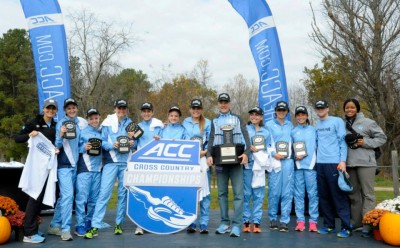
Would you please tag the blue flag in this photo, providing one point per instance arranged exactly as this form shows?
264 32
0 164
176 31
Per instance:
49 46
266 50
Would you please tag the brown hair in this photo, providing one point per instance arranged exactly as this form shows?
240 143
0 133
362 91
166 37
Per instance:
202 122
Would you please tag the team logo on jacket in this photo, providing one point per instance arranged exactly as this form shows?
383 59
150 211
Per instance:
163 179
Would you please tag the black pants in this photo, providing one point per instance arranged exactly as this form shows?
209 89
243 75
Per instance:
31 226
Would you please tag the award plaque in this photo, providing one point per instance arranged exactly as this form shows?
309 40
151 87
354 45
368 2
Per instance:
227 153
258 142
124 146
300 149
200 139
71 130
133 127
96 147
282 148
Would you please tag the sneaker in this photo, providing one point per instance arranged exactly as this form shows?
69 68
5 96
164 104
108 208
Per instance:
222 229
118 230
312 227
54 230
66 236
326 230
40 233
191 228
300 226
235 231
34 239
93 232
256 228
284 227
80 231
203 229
139 231
246 227
344 233
273 225
366 233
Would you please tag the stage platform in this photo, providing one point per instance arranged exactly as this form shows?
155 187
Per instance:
267 238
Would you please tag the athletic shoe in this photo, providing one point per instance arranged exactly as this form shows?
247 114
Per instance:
34 239
284 227
246 227
80 231
93 232
164 209
66 236
203 229
235 231
326 230
54 230
344 233
222 229
366 233
118 230
40 233
273 225
312 227
191 228
256 228
139 231
300 226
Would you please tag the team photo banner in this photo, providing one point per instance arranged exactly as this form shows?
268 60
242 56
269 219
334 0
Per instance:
266 50
49 47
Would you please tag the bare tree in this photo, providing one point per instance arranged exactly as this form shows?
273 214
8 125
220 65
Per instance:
243 93
201 72
365 34
96 43
298 96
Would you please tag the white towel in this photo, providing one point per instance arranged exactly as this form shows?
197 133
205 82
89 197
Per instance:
82 123
155 123
111 121
205 188
261 163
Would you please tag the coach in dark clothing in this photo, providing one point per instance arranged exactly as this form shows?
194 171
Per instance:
45 124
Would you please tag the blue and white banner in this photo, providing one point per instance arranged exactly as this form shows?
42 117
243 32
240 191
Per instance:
49 46
266 50
163 180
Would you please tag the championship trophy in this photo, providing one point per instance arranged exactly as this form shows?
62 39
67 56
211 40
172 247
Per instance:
71 130
95 150
300 149
228 152
133 127
124 146
258 142
282 148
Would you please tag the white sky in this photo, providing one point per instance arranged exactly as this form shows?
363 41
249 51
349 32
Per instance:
181 32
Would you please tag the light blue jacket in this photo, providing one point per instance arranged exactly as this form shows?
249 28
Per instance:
193 130
262 131
86 162
280 132
331 146
174 131
308 135
147 134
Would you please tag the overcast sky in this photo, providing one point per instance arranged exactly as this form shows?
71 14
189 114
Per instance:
181 32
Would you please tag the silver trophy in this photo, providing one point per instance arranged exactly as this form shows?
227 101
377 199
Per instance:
227 153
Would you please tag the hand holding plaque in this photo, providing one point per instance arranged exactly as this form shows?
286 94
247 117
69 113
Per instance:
95 149
133 127
123 144
300 149
71 130
282 148
228 152
258 142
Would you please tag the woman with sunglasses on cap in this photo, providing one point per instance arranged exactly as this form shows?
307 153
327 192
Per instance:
305 176
280 179
43 123
197 126
173 130
253 214
361 162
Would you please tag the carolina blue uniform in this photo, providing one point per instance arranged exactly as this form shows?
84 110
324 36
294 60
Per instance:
66 173
280 184
331 149
305 173
148 133
88 178
193 130
174 131
115 164
256 193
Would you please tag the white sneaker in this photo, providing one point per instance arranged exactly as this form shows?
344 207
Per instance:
54 230
66 236
139 231
33 239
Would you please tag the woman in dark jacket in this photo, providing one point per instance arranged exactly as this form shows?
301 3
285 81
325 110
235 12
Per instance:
45 124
